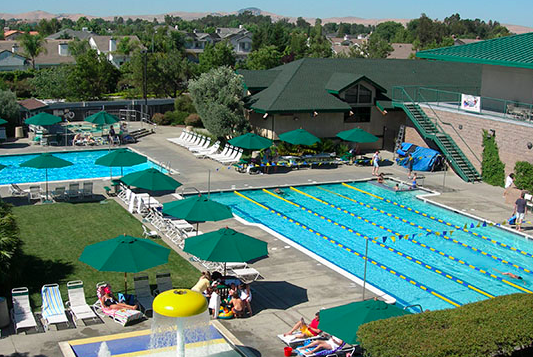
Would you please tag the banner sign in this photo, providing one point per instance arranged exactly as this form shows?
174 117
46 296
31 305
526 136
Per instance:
471 103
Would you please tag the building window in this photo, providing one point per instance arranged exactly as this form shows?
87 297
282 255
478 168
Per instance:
360 115
358 94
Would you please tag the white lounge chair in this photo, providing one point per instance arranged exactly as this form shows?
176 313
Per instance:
221 154
53 310
193 140
189 135
149 233
143 293
247 275
122 316
59 193
209 151
21 313
164 282
16 191
76 304
203 144
35 193
234 158
73 191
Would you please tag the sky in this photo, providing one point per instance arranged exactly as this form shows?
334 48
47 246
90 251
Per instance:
517 12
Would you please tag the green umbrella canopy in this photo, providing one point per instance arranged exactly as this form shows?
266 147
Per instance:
225 245
2 121
122 158
102 118
198 209
299 137
251 141
43 119
46 161
125 254
2 167
344 321
357 135
151 179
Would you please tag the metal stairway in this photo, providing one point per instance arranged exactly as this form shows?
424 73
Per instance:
427 128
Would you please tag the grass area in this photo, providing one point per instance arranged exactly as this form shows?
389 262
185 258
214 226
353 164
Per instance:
55 235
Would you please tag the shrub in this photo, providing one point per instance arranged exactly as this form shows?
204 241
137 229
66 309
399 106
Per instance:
194 120
175 118
184 104
9 239
494 327
523 171
492 168
159 119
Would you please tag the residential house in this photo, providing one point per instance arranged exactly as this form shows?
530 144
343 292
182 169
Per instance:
10 35
464 41
55 53
239 38
71 34
108 46
401 51
342 45
10 61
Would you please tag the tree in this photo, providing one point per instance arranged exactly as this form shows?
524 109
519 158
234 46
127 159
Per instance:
218 98
9 239
52 82
492 168
32 46
78 47
9 108
126 46
264 58
387 30
216 56
376 47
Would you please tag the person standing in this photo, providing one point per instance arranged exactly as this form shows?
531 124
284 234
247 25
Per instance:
520 209
375 163
509 180
410 163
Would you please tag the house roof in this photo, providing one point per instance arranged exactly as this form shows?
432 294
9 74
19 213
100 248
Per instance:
8 58
340 81
102 42
511 51
258 80
401 50
300 86
48 57
82 35
32 104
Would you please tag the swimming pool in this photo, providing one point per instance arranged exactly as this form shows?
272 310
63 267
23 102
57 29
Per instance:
83 167
418 253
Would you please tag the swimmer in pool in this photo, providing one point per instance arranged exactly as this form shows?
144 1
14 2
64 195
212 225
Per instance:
510 275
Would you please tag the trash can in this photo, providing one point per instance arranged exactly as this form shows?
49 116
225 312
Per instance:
19 133
4 313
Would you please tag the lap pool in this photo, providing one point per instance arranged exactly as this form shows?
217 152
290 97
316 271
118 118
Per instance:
83 167
418 253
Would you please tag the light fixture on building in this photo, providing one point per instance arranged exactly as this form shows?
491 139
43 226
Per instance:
529 145
296 118
265 116
351 112
460 126
315 113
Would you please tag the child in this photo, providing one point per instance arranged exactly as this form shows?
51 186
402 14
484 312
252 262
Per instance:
414 185
238 305
246 296
214 302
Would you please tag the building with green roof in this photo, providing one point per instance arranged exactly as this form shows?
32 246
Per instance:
507 65
326 96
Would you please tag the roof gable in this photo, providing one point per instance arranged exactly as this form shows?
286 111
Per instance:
340 81
510 51
258 80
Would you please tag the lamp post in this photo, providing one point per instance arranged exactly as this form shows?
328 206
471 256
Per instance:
145 81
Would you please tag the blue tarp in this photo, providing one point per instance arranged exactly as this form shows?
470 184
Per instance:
424 159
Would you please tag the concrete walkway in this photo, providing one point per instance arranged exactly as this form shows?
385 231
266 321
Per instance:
293 284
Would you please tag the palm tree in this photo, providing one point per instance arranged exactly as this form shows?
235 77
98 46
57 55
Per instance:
33 45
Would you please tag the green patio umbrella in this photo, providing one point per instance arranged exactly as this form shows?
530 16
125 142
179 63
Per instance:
299 137
2 121
151 179
197 209
43 119
225 245
121 158
357 135
2 167
251 141
46 161
102 118
125 254
344 321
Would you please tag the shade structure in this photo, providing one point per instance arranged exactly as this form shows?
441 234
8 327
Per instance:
43 119
125 254
2 167
198 209
102 118
357 135
2 121
46 161
151 179
299 137
121 158
251 141
225 245
344 321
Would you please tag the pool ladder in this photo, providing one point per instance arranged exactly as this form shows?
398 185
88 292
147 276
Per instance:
167 166
415 305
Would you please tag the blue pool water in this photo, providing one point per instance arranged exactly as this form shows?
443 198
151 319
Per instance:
333 221
83 168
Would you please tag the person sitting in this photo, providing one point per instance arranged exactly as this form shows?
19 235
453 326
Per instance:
306 331
381 179
89 140
397 188
414 184
331 344
237 305
110 302
78 139
203 283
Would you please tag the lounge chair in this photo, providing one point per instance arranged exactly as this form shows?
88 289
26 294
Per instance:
222 154
247 275
76 304
209 151
293 341
204 144
59 193
342 350
143 292
87 190
16 191
53 310
73 190
187 138
195 141
234 158
35 193
149 233
164 282
21 313
122 317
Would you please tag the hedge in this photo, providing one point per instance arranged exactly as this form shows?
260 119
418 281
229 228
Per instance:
492 168
494 327
523 171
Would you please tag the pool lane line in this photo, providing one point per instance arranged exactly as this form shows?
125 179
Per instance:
383 245
442 221
406 237
350 250
449 238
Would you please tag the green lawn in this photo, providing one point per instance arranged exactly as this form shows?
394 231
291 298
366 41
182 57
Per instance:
54 237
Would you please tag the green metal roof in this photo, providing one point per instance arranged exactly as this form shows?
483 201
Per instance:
257 80
510 51
300 86
340 81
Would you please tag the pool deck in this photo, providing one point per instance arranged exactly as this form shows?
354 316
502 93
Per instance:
293 284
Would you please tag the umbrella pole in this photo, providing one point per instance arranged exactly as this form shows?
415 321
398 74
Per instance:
46 184
197 227
364 277
125 283
224 268
208 183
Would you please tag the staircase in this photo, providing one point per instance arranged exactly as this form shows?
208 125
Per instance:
457 159
139 133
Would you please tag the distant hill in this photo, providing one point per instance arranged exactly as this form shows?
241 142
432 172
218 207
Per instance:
38 15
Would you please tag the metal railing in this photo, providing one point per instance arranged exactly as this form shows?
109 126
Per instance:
501 108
